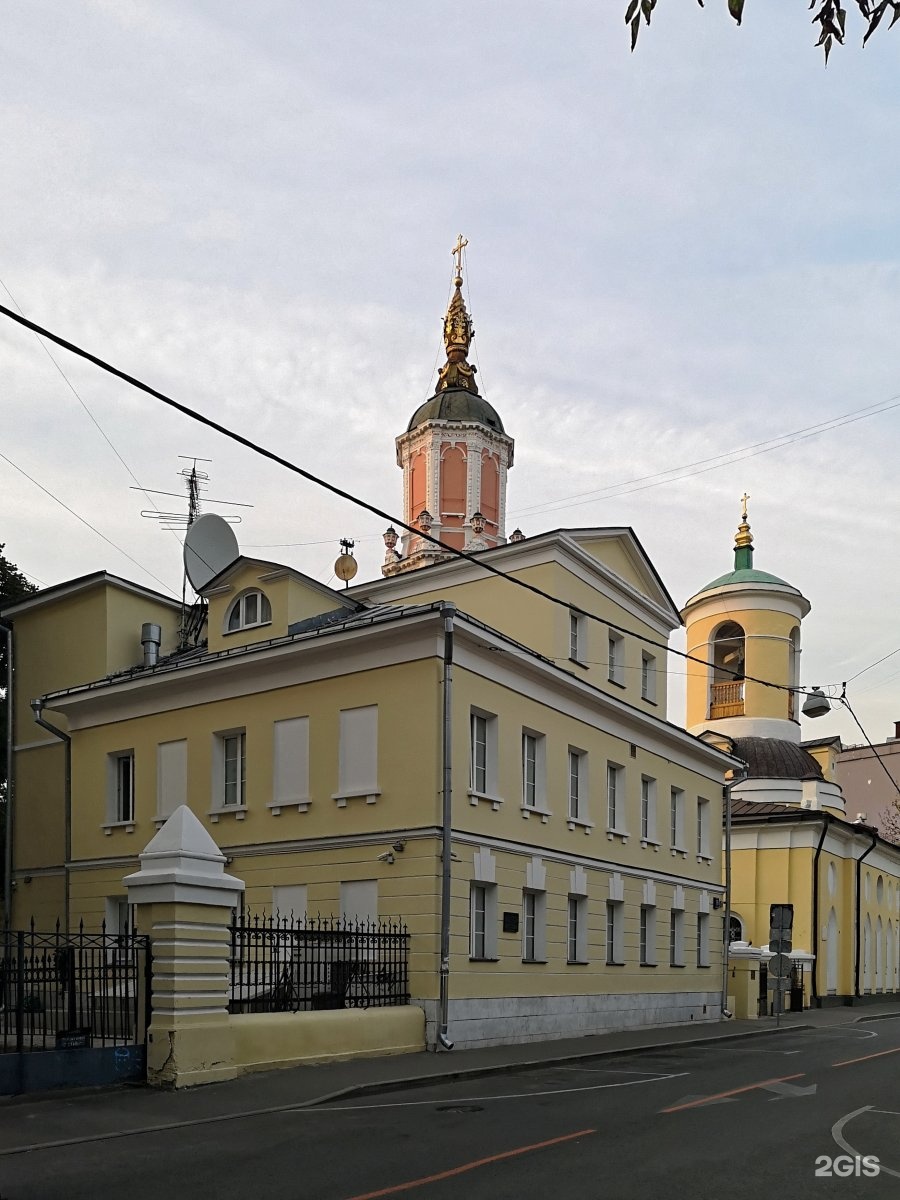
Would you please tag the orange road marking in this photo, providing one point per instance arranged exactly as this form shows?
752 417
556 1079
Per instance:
734 1092
479 1162
881 1053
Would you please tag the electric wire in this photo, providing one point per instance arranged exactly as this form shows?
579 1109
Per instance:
846 703
477 561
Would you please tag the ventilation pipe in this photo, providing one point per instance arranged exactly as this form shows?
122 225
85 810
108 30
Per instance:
151 639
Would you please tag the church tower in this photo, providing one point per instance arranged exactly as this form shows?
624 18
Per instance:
746 627
454 455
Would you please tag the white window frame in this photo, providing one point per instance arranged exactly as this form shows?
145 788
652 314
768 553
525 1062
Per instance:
120 792
576 929
483 901
676 820
615 940
648 677
483 775
577 638
577 790
647 937
358 738
534 926
224 742
239 608
704 849
702 939
648 811
615 658
615 799
534 774
676 938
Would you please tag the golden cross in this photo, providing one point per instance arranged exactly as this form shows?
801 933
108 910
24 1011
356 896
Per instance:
457 250
744 499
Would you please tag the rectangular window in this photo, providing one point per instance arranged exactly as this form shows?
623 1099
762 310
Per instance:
289 902
234 761
648 935
616 651
677 819
358 754
576 940
702 939
483 754
290 750
614 933
648 677
483 920
648 809
171 778
577 785
359 900
577 637
676 938
703 849
615 800
534 926
121 805
529 770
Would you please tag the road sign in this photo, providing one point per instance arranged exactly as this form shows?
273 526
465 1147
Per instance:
779 945
780 966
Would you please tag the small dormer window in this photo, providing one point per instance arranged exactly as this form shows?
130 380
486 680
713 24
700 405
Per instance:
251 608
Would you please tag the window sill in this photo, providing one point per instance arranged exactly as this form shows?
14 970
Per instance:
650 700
578 962
645 842
704 858
613 963
494 801
370 795
474 958
617 833
577 662
544 813
238 811
244 628
301 805
677 966
617 683
577 823
649 964
128 826
703 966
678 850
534 962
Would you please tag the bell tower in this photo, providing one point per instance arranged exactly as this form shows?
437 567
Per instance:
745 626
455 455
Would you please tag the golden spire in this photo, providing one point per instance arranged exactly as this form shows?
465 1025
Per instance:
458 334
743 539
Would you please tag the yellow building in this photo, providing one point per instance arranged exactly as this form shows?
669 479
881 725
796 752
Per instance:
791 841
438 745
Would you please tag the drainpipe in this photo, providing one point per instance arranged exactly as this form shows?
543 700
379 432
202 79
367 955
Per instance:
38 707
859 862
826 821
736 778
443 1037
10 789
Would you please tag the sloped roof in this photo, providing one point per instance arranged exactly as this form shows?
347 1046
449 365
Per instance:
774 758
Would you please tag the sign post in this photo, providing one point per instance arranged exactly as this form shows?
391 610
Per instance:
778 978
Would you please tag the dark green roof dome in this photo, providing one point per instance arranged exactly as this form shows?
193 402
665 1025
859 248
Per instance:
746 575
456 404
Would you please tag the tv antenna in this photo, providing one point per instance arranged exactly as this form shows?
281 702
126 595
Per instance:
196 482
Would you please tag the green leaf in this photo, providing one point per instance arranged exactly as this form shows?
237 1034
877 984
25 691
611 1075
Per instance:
635 30
827 48
736 8
630 11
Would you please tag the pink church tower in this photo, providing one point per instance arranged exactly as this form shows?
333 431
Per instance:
454 455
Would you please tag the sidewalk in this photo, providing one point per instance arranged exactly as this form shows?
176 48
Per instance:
68 1118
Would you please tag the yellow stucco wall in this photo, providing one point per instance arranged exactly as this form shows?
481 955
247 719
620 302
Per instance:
266 1041
289 597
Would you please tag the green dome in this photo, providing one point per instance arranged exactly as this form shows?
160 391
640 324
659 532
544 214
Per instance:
456 404
746 575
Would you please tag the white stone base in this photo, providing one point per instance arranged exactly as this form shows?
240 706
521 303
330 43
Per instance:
512 1019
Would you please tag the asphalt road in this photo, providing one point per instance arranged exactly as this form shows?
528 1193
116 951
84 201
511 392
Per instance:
712 1121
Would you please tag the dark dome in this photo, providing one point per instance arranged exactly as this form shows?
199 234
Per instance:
772 758
456 404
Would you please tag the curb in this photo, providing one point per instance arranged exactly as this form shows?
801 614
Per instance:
414 1081
891 1016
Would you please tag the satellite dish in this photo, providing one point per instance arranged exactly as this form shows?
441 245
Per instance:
346 567
209 547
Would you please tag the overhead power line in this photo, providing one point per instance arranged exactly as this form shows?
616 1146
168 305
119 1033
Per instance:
359 502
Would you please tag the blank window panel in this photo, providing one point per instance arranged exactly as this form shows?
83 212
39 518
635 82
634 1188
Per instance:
171 778
359 900
289 901
358 754
291 763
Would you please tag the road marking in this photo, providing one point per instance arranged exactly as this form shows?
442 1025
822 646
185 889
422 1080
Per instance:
471 1166
594 1087
733 1092
785 1090
837 1132
865 1058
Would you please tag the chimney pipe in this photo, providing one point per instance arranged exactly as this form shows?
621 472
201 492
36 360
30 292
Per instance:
151 638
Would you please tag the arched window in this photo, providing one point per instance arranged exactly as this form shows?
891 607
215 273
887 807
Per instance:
735 928
727 692
249 609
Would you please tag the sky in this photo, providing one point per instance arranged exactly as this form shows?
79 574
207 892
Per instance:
683 269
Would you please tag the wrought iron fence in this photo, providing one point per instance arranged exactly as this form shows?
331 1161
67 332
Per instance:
63 990
279 964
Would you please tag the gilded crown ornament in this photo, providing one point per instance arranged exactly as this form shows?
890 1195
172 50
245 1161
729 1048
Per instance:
458 334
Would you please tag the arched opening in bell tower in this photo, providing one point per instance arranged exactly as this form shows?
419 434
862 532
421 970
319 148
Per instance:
726 697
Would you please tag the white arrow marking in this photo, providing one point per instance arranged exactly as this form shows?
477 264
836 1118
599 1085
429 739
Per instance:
785 1090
